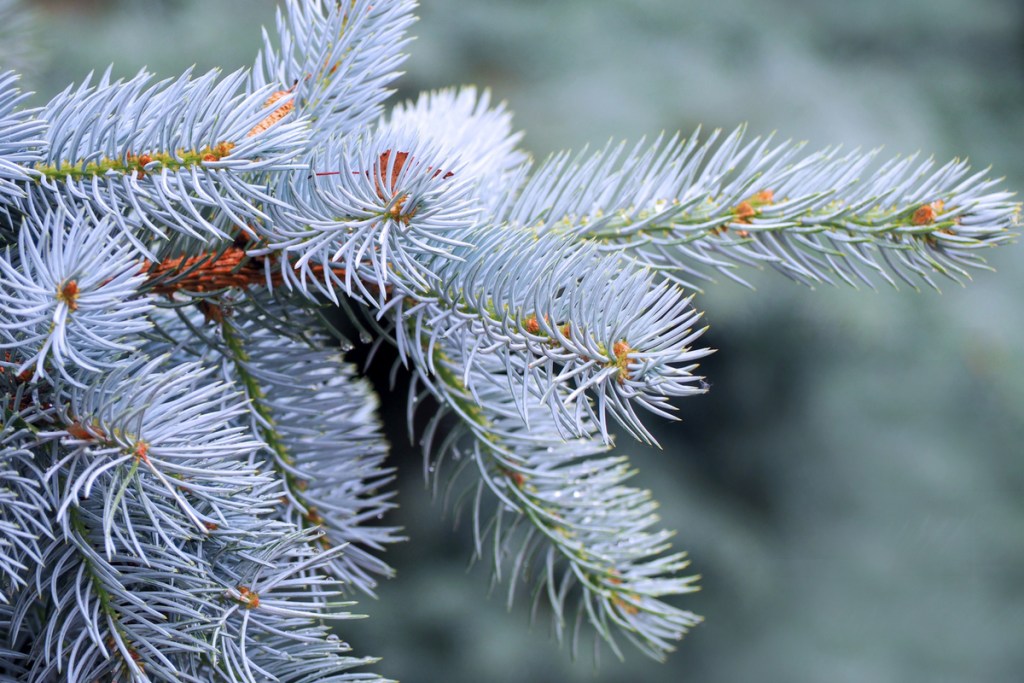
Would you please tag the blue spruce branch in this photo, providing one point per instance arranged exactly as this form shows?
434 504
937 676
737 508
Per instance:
192 474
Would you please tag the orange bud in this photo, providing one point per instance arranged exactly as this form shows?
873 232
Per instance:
141 451
925 215
248 597
69 294
744 212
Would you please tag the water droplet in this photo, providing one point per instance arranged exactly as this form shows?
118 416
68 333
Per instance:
365 337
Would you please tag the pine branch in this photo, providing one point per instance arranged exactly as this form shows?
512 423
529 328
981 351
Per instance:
336 58
381 206
157 521
569 323
271 625
185 155
320 429
686 207
405 232
583 526
383 210
165 436
111 617
69 296
192 475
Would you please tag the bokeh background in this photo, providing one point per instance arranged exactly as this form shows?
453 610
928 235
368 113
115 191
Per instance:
852 488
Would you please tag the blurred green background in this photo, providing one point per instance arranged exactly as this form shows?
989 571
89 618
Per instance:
851 488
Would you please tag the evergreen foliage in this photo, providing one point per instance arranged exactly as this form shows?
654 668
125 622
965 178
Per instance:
192 477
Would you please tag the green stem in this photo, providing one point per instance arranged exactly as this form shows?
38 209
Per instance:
257 400
182 158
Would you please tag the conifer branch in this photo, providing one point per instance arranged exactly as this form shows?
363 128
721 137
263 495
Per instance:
178 155
583 526
69 296
589 334
304 402
337 58
191 476
686 207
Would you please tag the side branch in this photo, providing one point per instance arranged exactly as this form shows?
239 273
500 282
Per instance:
586 533
687 208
